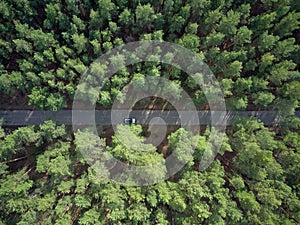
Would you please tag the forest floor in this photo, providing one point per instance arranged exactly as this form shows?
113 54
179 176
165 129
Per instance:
18 101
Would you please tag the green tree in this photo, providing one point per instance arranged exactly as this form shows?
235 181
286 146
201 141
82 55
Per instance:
263 98
288 24
145 17
80 42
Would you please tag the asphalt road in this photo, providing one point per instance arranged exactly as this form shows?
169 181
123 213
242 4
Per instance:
108 117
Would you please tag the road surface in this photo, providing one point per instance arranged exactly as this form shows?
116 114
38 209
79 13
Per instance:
104 117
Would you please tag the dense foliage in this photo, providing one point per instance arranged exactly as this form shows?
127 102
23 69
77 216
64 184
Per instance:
251 46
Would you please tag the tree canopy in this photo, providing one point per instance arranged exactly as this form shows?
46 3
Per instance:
49 175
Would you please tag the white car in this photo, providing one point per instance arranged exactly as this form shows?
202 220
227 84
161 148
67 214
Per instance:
130 121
